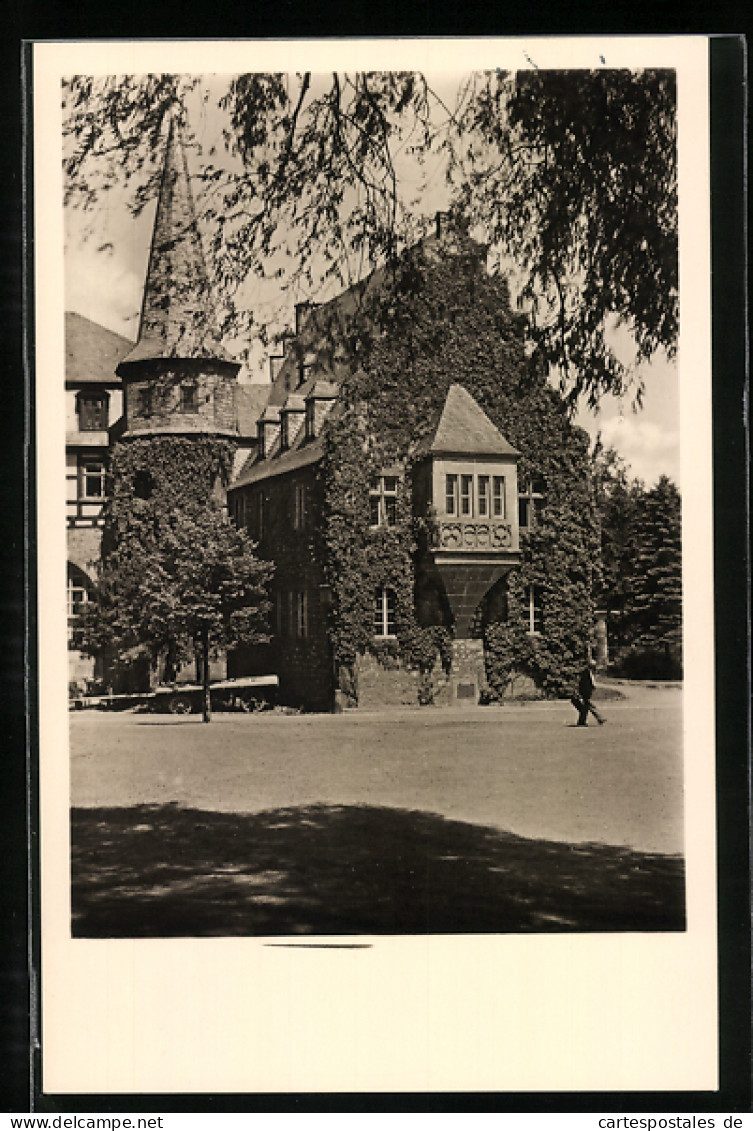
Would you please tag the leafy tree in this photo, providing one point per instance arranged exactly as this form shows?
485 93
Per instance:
177 578
576 180
572 174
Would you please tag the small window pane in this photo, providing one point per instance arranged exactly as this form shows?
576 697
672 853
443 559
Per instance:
384 613
451 494
466 494
535 609
189 399
145 402
498 487
483 495
93 480
383 500
92 412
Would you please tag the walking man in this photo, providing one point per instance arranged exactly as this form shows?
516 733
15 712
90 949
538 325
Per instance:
582 702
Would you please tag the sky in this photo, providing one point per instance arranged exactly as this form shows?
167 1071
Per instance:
106 258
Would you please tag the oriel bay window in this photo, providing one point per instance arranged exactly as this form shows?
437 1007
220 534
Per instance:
384 612
383 500
486 501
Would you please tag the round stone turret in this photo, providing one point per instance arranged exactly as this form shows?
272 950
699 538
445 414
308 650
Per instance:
178 377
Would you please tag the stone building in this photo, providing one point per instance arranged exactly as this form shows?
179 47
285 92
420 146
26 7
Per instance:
409 530
169 396
414 480
93 407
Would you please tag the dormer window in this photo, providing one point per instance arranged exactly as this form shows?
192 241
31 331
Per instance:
383 500
189 397
92 411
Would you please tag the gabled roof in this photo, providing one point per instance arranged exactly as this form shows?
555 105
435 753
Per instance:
177 319
324 323
250 402
92 352
465 428
256 470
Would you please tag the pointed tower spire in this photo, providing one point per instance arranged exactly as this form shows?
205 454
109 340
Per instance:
177 318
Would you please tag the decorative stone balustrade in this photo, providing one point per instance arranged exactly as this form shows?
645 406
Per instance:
470 534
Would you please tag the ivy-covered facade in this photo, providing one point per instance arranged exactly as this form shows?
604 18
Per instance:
409 472
423 495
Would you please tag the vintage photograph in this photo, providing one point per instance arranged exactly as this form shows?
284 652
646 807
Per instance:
373 503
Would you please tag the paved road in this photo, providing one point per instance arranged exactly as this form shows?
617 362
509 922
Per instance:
524 768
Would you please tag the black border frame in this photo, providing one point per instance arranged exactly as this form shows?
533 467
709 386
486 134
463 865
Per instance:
18 976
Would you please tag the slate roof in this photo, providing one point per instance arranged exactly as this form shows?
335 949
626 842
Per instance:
92 352
250 402
177 319
465 428
279 463
324 322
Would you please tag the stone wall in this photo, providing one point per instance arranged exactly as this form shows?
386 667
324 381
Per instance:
215 402
381 686
300 657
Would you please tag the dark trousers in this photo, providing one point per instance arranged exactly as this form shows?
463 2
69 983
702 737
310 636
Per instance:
584 706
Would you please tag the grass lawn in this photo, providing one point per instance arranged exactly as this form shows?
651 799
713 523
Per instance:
404 822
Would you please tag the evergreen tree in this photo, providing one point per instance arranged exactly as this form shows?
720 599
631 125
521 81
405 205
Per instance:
656 605
618 500
641 551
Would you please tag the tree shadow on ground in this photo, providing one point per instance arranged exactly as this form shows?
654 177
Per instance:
165 871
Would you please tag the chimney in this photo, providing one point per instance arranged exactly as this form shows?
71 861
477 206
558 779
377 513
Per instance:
302 312
275 365
443 224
